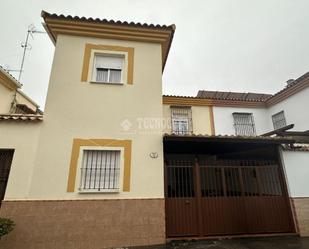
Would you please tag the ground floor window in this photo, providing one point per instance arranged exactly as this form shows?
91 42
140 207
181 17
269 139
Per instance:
100 170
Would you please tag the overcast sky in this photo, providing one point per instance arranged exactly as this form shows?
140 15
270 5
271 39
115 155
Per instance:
228 45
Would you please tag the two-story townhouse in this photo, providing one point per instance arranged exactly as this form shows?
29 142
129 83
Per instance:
113 164
264 112
240 116
15 107
81 178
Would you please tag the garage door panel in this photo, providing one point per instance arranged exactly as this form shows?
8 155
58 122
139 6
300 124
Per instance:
181 202
223 216
231 197
182 217
267 215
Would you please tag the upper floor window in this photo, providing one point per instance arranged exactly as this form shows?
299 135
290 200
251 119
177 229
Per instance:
108 68
181 120
279 120
100 171
244 124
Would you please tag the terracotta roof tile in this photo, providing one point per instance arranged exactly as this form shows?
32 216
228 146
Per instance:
109 29
232 137
45 14
306 75
269 99
297 85
11 77
218 95
20 117
296 147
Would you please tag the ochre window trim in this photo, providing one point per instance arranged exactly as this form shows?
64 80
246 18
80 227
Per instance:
87 56
78 142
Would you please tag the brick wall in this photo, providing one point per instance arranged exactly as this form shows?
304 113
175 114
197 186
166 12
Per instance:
84 224
301 206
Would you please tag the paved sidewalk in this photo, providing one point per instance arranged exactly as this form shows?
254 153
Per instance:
245 243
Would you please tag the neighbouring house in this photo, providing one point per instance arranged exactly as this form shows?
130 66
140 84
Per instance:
15 105
12 99
111 163
237 122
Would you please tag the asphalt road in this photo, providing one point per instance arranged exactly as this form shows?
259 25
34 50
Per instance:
280 242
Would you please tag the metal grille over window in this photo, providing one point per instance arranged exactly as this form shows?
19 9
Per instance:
100 170
244 124
108 68
181 120
279 120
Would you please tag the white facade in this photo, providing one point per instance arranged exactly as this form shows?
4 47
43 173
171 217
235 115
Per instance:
294 108
296 165
224 123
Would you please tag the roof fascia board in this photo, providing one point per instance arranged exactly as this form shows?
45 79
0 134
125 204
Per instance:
8 80
55 25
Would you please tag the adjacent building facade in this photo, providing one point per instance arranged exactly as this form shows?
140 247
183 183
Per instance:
111 163
256 115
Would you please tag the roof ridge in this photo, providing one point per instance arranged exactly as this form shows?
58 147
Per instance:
231 95
45 14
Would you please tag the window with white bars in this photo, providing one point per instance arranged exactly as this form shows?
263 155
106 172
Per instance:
108 68
244 124
279 120
181 120
100 171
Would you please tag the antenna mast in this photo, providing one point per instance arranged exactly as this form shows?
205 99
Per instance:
27 46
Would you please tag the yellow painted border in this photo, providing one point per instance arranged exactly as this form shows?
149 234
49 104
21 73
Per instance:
78 142
87 55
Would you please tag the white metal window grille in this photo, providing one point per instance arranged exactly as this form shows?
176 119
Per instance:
181 120
244 124
108 68
100 170
279 120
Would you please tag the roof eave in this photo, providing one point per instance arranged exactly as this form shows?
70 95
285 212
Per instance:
230 139
76 26
10 80
28 98
53 39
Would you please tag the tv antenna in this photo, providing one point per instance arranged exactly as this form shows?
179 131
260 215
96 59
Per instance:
27 46
8 69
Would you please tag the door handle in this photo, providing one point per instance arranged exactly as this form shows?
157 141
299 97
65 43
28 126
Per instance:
187 202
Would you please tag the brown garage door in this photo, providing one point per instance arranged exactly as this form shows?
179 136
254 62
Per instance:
225 197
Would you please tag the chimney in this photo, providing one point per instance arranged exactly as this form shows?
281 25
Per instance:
289 82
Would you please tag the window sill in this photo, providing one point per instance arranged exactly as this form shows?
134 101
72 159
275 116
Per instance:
104 191
106 83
